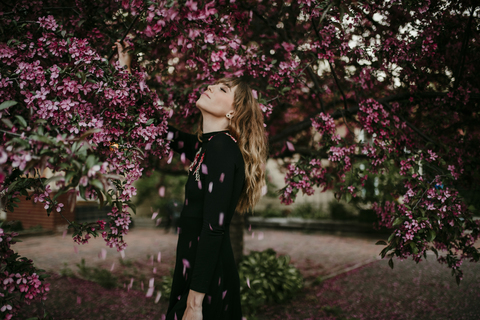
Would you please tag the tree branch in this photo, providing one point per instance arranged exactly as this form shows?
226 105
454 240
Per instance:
464 50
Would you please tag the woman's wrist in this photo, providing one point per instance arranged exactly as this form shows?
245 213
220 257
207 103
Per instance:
195 299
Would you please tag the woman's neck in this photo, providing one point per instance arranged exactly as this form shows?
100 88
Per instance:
213 124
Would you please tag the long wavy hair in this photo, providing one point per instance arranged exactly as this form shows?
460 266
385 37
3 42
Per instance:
247 127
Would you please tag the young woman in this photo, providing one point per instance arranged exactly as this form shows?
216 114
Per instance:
226 177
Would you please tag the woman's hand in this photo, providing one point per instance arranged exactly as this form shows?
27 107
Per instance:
124 58
194 306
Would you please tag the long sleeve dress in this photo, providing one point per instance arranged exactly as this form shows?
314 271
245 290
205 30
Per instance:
205 261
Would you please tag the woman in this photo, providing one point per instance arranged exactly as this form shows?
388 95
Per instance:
226 175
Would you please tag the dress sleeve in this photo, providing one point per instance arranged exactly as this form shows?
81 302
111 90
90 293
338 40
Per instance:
218 188
182 142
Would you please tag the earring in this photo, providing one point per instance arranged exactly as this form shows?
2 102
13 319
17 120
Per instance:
229 117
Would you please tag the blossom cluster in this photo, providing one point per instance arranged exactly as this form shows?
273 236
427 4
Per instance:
19 280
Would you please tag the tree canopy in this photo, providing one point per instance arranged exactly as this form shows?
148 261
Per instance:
357 89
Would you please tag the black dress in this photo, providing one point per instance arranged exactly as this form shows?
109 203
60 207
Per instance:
205 261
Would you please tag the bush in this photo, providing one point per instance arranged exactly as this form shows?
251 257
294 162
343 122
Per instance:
308 211
269 212
101 276
338 211
266 278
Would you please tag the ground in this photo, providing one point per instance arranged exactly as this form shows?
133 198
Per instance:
345 279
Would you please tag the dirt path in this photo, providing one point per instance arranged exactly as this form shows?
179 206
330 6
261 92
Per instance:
314 254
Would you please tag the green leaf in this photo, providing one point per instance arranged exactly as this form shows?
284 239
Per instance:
348 197
96 183
381 242
7 122
90 161
431 235
397 221
22 121
150 121
390 263
7 104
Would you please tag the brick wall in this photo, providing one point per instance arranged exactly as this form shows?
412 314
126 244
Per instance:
33 214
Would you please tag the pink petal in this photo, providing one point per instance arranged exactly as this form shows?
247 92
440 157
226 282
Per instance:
158 222
182 157
159 257
248 282
222 176
210 187
157 298
224 294
154 215
161 191
75 249
204 168
112 267
151 282
200 185
150 292
290 146
260 236
220 218
79 300
154 270
64 233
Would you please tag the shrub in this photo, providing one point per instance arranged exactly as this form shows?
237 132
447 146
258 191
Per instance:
308 211
338 211
101 276
266 278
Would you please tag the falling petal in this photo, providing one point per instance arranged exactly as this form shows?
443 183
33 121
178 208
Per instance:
75 249
224 294
182 157
79 300
249 227
260 236
190 244
112 267
103 254
151 282
157 298
154 215
158 222
141 285
122 254
222 176
176 315
150 292
159 257
210 187
170 136
248 282
161 191
209 299
154 270
264 190
253 235
64 233
186 263
290 146
200 185
170 158
219 280
220 218
186 202
180 144
210 226
179 230
170 113
204 168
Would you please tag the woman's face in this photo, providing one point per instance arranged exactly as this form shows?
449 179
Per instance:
217 100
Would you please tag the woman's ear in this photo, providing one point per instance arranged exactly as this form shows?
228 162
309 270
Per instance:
230 114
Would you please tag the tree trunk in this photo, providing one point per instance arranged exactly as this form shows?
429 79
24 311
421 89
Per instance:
236 235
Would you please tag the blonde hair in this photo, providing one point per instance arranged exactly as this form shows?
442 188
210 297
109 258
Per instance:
247 127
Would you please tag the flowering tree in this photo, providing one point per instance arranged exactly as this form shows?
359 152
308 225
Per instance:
398 77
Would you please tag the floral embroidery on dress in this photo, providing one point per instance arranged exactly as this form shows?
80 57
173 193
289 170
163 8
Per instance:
196 163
